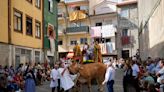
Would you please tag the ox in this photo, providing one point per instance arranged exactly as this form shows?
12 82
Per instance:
88 72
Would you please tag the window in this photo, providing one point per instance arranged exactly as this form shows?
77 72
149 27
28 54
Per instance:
50 5
73 42
28 26
125 32
108 40
37 29
37 56
83 40
38 3
99 24
18 21
124 13
29 1
60 42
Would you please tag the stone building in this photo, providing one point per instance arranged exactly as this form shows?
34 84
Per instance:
151 29
127 35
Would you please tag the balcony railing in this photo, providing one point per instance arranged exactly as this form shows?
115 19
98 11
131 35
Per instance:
77 29
125 40
72 1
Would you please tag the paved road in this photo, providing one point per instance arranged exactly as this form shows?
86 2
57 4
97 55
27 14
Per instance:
117 85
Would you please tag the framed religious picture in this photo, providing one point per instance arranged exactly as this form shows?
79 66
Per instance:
51 31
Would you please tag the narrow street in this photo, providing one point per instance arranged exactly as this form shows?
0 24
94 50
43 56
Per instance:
117 85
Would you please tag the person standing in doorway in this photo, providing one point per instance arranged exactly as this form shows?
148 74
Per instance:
109 77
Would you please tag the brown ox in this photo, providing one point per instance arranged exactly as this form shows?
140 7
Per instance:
88 72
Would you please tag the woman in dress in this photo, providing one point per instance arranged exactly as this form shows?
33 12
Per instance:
30 81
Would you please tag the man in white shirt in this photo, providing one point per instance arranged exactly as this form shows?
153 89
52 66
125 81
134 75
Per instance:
54 78
109 77
160 75
135 72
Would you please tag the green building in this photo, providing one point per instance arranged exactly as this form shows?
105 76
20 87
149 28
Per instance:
50 26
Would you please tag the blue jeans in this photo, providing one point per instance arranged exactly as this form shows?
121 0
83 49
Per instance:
110 86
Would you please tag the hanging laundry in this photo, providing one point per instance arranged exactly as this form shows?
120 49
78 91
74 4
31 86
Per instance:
110 47
125 40
52 45
95 32
103 48
77 15
108 31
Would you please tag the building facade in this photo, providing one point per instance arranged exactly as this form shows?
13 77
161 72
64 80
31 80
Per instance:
73 24
4 32
127 29
50 26
21 39
151 30
103 19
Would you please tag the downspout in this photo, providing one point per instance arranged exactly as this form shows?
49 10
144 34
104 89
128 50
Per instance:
9 21
10 55
43 31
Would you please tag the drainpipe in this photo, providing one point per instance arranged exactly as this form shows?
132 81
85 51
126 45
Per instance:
10 55
9 21
43 26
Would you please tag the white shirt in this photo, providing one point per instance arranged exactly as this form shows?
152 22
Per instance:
161 72
65 79
135 69
54 75
110 74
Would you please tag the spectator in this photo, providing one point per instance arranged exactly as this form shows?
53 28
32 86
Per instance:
109 77
54 78
135 73
30 81
127 79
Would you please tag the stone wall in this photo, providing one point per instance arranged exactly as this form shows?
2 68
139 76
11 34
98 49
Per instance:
4 54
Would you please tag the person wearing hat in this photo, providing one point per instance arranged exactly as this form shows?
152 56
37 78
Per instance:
109 77
77 52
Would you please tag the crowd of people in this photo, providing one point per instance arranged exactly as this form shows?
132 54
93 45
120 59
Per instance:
146 76
25 77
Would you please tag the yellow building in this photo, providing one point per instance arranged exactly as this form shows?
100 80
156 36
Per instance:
22 30
73 25
4 48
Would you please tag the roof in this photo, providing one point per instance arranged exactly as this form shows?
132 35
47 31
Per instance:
129 2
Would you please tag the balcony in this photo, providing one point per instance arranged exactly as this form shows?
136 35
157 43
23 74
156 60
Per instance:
81 29
125 40
73 1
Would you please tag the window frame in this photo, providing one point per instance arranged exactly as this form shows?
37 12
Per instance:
60 41
98 24
36 5
123 11
27 16
36 21
17 30
49 6
73 40
37 56
123 32
83 40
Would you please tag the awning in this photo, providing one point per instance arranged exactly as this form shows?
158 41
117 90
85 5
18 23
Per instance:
70 55
61 49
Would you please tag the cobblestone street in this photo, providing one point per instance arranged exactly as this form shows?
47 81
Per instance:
117 85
